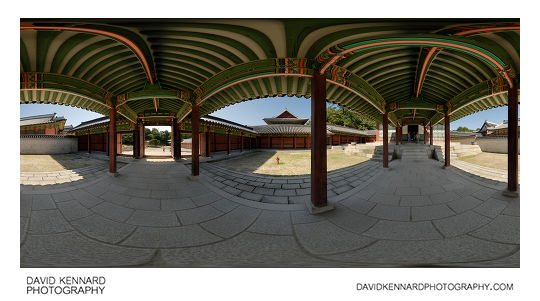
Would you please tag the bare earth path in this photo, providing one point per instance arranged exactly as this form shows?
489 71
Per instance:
491 160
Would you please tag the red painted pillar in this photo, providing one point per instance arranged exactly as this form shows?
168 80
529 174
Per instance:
214 141
446 139
385 140
294 141
318 140
195 139
207 142
269 142
430 134
228 142
339 139
282 141
513 141
89 142
135 139
112 139
241 142
425 134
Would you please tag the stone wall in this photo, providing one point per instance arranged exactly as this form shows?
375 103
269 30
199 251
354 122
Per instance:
495 144
47 144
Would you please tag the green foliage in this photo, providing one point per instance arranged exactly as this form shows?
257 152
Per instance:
464 129
346 117
127 139
161 136
154 142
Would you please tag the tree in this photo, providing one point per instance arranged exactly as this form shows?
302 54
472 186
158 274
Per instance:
464 129
338 115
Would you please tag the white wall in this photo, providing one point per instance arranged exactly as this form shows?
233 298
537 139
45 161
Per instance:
494 144
45 145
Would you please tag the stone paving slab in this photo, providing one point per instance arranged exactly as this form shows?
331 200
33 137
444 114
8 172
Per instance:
72 250
328 238
460 250
503 228
432 212
150 237
396 230
198 215
250 250
73 210
48 222
102 229
113 211
233 222
461 223
272 222
153 218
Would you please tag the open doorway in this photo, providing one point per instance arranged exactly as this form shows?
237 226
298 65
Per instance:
412 131
157 141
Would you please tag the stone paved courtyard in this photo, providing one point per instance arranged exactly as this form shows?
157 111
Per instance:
155 215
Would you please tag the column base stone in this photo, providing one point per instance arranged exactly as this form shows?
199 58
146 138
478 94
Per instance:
318 210
510 194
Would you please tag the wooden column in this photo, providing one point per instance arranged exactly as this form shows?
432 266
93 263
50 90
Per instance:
177 144
294 141
135 139
282 141
89 142
430 134
425 134
385 140
214 141
513 135
195 139
318 140
269 142
377 131
241 142
107 142
446 139
207 142
112 140
228 142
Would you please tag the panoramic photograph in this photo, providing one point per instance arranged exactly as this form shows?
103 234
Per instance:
269 143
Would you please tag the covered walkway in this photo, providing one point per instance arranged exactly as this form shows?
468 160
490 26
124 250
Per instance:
155 214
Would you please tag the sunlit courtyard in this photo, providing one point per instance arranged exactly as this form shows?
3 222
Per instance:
290 162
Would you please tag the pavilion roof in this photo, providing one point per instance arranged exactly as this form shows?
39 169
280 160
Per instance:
41 119
101 121
412 68
226 123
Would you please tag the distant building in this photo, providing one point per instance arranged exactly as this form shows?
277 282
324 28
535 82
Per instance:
49 124
493 129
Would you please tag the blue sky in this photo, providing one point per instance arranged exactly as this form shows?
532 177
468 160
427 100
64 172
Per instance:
252 112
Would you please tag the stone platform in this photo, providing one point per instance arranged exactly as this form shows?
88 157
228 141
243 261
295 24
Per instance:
153 214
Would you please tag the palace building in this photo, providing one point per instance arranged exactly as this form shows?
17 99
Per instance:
49 124
283 131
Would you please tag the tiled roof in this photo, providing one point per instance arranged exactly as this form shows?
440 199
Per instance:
226 123
503 125
91 123
41 119
348 130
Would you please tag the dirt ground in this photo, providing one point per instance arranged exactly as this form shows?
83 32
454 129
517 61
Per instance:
290 162
492 160
47 163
